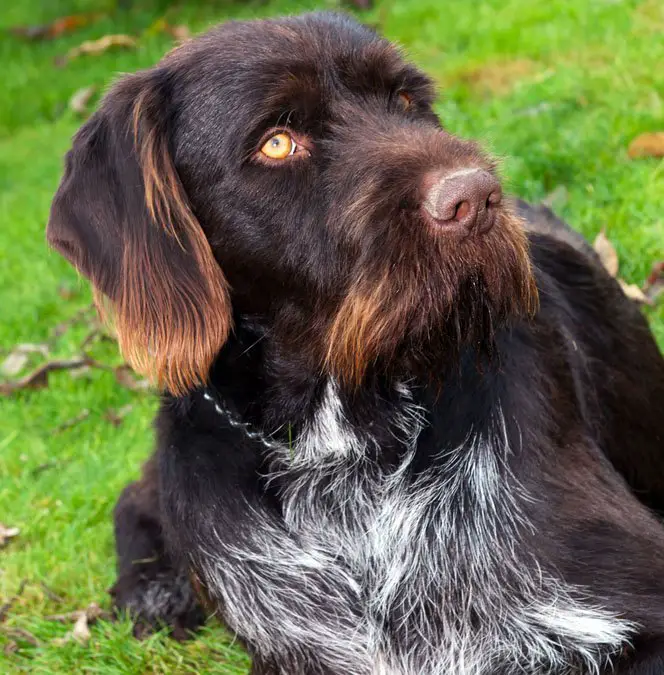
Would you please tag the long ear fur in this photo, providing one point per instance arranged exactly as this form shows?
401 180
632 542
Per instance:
122 217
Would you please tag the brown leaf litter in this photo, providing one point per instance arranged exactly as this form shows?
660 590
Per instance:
80 99
499 77
82 362
56 28
7 533
647 145
19 357
609 258
38 378
82 619
654 285
97 47
6 606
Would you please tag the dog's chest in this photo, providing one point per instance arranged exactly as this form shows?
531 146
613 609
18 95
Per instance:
434 560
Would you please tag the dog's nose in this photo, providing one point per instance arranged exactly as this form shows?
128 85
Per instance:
466 198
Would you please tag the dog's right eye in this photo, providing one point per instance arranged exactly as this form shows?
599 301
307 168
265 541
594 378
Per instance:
279 146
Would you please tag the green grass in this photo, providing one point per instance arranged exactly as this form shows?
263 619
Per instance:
557 88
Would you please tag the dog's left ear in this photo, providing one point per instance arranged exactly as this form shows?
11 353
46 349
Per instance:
122 217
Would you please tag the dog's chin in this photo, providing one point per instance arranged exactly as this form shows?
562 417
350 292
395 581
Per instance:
436 296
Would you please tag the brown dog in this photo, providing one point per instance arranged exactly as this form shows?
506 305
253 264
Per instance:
377 452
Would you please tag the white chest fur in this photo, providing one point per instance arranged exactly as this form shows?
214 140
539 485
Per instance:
383 573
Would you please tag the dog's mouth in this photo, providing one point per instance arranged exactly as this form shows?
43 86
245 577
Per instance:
434 282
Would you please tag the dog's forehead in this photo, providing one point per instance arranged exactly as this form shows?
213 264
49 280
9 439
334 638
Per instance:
241 78
324 49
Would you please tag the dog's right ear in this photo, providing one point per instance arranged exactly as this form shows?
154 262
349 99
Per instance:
122 217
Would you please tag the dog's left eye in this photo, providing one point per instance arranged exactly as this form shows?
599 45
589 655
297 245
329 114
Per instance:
279 146
405 100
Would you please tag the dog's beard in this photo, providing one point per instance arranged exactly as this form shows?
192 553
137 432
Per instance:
425 297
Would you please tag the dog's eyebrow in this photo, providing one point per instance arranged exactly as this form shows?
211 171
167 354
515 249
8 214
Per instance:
293 88
380 68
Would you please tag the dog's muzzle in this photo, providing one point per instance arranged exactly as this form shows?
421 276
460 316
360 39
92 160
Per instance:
465 200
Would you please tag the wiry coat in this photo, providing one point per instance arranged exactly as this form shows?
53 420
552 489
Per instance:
413 452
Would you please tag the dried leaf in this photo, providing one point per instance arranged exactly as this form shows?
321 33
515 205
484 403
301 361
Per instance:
33 348
17 359
10 648
7 533
607 253
124 376
65 24
633 292
92 613
647 145
180 33
78 103
95 47
557 198
499 77
656 274
654 284
67 292
14 363
116 417
81 632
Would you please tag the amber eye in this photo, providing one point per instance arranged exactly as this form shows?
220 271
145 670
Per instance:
279 146
405 100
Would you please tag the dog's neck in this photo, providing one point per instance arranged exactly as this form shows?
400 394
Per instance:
272 393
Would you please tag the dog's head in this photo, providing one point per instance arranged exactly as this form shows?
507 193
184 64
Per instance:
291 169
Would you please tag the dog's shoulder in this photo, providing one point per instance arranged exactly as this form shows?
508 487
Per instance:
539 219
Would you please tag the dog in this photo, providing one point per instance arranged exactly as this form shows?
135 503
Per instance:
408 425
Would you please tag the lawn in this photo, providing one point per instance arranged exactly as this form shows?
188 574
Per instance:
557 88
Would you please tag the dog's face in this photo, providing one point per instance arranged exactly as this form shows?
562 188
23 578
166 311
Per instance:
294 170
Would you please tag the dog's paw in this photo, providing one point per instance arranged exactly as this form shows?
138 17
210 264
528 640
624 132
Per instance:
162 600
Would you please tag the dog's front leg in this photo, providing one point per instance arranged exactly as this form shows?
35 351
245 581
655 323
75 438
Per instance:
293 601
150 586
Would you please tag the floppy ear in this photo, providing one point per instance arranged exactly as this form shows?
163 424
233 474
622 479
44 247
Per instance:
122 217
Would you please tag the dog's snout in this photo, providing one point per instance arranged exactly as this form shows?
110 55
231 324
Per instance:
466 198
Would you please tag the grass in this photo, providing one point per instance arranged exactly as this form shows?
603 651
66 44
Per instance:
558 88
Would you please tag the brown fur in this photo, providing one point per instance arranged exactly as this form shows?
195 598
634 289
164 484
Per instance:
168 332
376 314
155 276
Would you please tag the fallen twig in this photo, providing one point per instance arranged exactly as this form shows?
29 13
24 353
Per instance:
116 417
20 634
50 593
65 325
6 606
82 619
43 467
93 612
38 378
68 424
